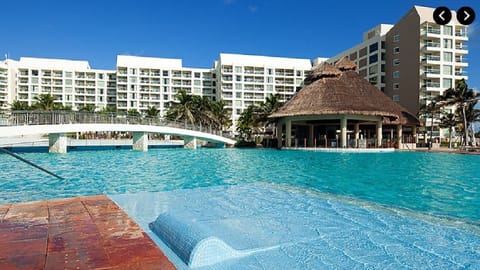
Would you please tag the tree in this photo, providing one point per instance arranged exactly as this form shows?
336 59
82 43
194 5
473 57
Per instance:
462 98
221 115
87 108
19 106
183 109
152 112
133 112
264 110
44 102
248 123
449 120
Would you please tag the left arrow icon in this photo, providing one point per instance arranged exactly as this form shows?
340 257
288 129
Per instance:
442 15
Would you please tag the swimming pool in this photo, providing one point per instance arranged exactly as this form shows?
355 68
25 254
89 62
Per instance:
444 185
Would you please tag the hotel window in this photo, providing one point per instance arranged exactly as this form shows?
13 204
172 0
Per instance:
396 50
238 78
166 81
270 71
373 47
447 30
35 81
396 74
447 57
447 83
35 72
299 73
133 71
396 98
238 94
238 69
373 58
447 43
396 62
238 111
196 74
447 70
238 86
396 38
396 86
373 70
165 73
100 76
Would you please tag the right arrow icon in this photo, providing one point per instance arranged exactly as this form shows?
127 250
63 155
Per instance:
465 15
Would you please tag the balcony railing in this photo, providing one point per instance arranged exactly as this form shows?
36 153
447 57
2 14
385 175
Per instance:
432 45
461 34
461 47
432 85
435 31
432 71
461 60
431 58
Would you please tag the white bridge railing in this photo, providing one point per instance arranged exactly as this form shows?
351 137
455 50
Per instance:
21 118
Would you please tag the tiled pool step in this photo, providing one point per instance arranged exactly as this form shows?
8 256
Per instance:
79 233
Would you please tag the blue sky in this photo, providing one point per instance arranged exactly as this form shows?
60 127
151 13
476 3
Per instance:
198 30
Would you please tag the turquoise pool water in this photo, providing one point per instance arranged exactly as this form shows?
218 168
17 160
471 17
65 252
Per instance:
444 185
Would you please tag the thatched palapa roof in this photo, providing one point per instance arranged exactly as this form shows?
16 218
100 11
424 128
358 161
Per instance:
333 90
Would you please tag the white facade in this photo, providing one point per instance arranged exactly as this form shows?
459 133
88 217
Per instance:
71 82
369 55
243 80
143 82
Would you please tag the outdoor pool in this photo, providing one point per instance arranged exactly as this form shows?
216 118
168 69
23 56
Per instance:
270 209
444 185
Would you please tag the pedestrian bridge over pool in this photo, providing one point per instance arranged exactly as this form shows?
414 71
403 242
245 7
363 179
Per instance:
58 123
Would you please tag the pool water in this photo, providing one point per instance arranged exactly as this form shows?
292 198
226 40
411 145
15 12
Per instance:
440 185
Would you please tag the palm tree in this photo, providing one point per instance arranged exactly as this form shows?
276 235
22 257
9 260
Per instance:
183 109
19 106
449 120
221 116
87 108
133 112
45 102
152 112
461 97
272 103
248 122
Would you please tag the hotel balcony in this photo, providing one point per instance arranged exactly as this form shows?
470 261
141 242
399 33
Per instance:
430 31
430 58
432 86
460 47
431 46
461 61
431 73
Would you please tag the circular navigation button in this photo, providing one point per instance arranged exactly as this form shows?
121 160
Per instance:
442 15
465 15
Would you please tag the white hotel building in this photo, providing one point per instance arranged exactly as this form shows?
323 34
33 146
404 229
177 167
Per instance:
141 82
413 60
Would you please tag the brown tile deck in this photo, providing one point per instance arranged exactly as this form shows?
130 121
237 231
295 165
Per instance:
80 233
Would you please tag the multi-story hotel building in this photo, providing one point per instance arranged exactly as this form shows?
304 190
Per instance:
144 82
72 83
141 82
243 80
416 61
